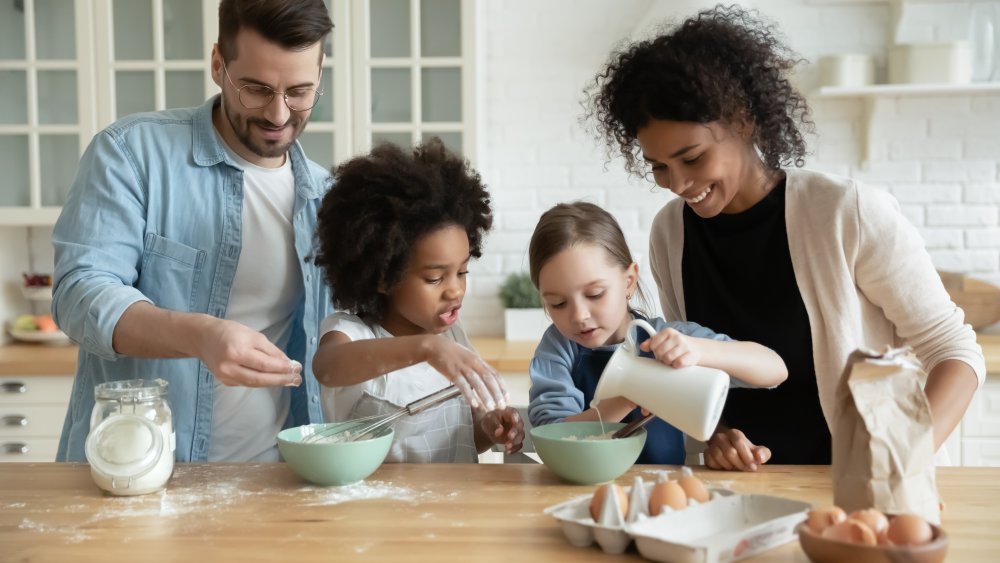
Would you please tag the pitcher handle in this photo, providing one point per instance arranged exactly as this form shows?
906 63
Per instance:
632 341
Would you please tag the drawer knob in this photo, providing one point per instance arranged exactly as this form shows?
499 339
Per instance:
15 448
14 420
14 387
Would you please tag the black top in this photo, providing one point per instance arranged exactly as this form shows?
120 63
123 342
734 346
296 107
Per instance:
738 280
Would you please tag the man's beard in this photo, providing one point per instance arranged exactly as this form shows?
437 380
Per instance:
270 149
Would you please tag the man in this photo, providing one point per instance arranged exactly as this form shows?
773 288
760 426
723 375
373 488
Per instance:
183 251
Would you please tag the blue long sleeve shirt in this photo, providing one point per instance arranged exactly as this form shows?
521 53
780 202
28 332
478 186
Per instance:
155 214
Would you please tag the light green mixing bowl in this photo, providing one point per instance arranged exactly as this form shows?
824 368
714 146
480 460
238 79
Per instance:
338 463
562 449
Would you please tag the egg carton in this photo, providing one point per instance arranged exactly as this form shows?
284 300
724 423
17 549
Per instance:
728 527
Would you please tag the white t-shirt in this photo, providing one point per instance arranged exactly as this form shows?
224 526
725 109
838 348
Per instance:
441 434
265 292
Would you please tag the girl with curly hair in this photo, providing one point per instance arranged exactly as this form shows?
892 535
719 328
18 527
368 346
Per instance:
808 264
396 233
582 266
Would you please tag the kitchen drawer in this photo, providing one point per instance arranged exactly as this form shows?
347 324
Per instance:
35 390
981 452
982 420
43 421
28 449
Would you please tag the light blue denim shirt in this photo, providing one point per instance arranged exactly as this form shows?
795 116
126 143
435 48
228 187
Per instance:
155 214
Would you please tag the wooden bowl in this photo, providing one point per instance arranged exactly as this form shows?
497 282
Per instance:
980 300
825 550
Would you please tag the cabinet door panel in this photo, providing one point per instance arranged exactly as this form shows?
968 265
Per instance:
35 390
28 450
14 93
182 30
58 155
57 97
440 28
390 28
133 30
11 31
36 421
14 163
55 29
981 452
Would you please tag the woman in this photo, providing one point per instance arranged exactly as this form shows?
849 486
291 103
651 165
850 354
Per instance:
810 265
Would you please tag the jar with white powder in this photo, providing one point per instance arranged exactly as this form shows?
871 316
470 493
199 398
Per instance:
131 442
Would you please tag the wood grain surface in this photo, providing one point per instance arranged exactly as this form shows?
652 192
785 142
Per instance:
264 512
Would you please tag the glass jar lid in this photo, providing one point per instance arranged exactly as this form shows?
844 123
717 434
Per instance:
131 390
124 446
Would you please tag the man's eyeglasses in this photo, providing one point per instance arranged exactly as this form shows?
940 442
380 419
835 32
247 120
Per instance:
256 96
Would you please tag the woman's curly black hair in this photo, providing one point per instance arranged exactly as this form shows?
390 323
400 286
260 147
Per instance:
380 205
725 64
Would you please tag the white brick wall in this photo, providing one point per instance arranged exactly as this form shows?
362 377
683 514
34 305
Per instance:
938 155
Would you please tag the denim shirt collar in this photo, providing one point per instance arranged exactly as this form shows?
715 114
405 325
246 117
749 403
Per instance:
208 151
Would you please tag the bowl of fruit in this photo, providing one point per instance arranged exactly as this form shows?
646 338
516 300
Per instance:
37 328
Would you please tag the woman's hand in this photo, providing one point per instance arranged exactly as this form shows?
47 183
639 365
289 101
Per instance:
481 385
503 426
730 449
673 348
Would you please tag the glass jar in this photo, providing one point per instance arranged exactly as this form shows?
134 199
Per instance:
131 442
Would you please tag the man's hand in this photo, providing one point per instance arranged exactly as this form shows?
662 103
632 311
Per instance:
240 356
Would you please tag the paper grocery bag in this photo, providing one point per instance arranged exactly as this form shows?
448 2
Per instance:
883 439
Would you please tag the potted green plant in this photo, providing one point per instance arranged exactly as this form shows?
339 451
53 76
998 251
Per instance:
524 317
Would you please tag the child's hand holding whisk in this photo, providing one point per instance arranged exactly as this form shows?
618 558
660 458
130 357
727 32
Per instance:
502 426
481 385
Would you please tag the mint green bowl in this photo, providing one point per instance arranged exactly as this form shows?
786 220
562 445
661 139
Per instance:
338 463
586 461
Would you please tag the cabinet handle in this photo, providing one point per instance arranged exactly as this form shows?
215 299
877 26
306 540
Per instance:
15 448
14 420
14 387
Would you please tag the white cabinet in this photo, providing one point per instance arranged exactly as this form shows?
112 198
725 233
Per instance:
32 410
396 70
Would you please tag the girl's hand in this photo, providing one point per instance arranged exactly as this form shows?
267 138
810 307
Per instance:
731 450
673 348
481 385
503 426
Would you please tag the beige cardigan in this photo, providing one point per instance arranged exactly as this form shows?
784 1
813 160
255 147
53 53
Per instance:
863 272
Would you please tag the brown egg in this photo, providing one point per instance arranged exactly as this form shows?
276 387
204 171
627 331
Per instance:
667 493
824 517
908 529
694 488
873 517
851 531
597 503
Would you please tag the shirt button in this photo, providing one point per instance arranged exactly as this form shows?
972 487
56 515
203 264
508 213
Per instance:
308 278
315 399
312 340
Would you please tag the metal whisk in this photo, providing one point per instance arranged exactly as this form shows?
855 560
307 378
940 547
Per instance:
345 431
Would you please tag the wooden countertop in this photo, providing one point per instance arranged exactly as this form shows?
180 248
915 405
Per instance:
506 356
41 359
403 512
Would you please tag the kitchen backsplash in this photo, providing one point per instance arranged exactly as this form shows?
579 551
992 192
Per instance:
938 154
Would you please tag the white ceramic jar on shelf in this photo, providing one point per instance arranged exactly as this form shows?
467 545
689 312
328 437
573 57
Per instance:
131 442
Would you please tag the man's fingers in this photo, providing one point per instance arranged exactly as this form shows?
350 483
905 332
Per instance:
763 454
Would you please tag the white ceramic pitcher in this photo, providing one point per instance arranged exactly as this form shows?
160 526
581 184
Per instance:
691 398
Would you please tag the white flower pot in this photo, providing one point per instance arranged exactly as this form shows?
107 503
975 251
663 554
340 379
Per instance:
525 324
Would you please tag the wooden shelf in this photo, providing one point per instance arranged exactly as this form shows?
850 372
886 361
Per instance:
878 95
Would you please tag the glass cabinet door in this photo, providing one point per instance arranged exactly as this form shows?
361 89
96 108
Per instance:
416 72
156 55
44 73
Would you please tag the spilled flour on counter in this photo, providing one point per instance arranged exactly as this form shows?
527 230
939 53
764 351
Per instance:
365 490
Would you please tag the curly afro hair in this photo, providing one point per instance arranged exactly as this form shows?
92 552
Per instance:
725 64
380 205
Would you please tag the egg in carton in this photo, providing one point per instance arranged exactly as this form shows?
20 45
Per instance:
605 516
726 527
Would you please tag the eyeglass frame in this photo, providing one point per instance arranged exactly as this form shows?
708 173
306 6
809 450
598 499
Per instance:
284 94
